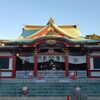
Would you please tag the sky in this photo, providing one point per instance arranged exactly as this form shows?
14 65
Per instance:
14 14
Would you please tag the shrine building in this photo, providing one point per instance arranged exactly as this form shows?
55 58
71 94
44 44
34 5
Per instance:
40 49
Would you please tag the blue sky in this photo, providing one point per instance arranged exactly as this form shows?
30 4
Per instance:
15 13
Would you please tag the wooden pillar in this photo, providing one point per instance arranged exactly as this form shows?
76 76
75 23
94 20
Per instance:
66 64
88 64
14 67
35 63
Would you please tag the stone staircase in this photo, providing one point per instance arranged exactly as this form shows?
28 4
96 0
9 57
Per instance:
51 74
79 74
43 74
55 88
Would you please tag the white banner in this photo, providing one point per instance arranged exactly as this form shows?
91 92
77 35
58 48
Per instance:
77 59
59 58
28 59
44 58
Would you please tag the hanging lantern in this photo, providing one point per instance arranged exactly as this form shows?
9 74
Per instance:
3 44
17 54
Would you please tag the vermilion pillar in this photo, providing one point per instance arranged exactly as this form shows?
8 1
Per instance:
13 67
88 64
35 64
66 65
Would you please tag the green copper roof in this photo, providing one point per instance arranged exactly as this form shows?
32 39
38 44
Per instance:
26 33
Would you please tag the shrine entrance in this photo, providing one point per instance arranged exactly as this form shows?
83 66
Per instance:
49 62
51 65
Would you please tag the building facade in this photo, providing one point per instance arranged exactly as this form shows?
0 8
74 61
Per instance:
41 49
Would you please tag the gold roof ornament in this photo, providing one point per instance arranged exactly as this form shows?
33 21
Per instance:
50 21
51 42
93 36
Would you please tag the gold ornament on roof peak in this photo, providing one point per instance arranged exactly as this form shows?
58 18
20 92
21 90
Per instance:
93 36
50 21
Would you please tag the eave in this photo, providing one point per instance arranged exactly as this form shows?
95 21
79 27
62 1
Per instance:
64 39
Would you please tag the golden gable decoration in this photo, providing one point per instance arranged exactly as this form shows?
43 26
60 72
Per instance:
93 36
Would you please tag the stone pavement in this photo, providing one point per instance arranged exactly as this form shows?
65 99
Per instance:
42 98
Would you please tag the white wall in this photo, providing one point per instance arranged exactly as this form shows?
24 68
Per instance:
95 53
6 54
